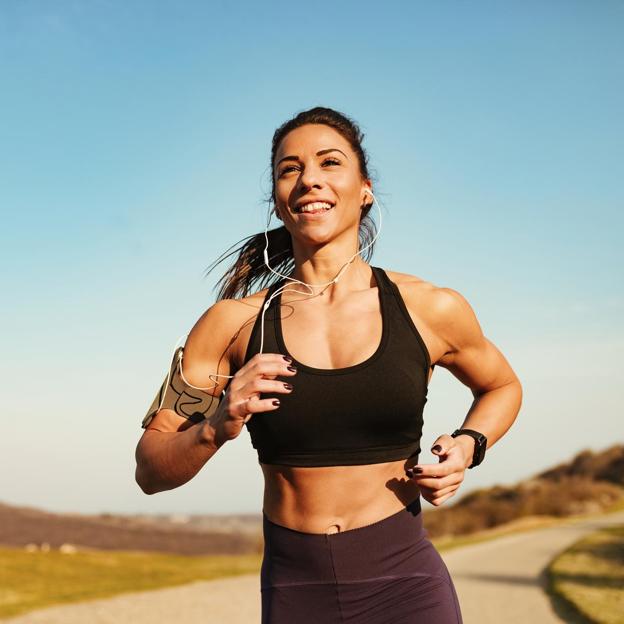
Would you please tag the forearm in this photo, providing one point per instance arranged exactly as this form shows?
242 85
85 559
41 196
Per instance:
492 414
167 460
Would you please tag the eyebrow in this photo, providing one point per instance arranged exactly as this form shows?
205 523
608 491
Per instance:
319 153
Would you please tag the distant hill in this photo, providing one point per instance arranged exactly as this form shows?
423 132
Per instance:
590 482
606 465
175 534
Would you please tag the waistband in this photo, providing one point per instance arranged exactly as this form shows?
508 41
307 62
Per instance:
394 546
395 520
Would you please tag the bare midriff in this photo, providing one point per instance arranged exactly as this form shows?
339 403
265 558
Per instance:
336 498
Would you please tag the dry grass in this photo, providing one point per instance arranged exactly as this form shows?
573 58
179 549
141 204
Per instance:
32 580
589 576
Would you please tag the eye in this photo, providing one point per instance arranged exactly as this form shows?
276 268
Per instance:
332 161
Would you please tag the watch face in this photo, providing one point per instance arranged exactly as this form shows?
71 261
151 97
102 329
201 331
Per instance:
480 448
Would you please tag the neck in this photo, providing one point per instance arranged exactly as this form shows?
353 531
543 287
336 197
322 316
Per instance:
320 264
319 274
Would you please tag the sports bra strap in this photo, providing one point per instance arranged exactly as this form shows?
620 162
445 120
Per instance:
383 281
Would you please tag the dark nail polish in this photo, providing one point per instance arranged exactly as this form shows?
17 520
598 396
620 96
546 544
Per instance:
288 359
417 470
276 402
292 369
437 448
288 386
409 472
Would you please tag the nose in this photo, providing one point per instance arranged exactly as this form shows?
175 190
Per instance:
310 177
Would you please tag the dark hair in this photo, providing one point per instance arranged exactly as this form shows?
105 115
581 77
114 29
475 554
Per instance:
249 266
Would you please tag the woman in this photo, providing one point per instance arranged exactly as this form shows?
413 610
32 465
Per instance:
331 380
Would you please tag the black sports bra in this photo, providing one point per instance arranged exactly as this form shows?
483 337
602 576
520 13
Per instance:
367 413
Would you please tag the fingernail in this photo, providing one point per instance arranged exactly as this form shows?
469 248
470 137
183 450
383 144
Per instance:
437 448
409 472
292 368
417 470
276 402
288 386
288 359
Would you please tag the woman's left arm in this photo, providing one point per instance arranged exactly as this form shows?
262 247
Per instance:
478 364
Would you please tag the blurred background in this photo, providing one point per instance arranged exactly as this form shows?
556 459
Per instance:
134 150
135 141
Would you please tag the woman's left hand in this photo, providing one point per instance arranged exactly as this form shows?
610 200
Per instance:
437 482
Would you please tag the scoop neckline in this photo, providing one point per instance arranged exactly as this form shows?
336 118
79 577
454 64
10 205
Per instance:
345 369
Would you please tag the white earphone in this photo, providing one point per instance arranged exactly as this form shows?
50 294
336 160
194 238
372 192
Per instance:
277 291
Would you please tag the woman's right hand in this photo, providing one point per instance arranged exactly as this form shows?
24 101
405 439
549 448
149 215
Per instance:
242 398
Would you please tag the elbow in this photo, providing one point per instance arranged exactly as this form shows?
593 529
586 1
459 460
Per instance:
142 472
143 482
520 392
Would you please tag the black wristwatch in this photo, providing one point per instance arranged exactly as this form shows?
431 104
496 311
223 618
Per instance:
480 444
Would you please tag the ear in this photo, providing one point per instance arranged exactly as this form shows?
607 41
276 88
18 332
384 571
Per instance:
367 198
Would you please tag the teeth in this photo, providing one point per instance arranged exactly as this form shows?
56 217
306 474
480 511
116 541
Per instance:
311 207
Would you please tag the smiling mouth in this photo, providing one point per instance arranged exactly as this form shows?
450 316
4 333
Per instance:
313 208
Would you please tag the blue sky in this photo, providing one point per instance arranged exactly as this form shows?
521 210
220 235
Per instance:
134 149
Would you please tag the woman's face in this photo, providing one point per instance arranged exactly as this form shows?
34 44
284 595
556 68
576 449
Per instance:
315 163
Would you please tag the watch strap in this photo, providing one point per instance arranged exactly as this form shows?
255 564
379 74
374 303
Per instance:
480 444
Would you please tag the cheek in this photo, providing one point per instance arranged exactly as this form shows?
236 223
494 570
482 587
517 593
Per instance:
282 190
348 185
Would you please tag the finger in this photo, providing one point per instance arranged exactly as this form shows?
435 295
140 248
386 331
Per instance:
442 445
245 409
432 494
454 480
450 470
268 365
259 385
439 500
432 470
435 484
444 491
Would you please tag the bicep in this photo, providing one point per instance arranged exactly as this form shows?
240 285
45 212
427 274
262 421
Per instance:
470 357
198 374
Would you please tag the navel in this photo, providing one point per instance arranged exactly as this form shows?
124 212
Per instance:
334 528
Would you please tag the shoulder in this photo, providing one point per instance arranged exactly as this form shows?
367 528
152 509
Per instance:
214 337
228 312
445 310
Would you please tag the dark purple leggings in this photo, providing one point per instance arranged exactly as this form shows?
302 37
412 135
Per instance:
383 573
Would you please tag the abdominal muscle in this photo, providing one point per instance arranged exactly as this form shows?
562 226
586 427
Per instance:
336 498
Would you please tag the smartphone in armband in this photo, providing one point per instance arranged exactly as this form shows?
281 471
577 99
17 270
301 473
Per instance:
176 394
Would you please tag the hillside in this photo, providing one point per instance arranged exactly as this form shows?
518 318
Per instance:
24 525
590 482
607 465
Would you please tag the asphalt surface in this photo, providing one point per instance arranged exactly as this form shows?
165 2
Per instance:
502 580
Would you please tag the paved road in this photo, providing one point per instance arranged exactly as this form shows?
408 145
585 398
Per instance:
497 581
500 580
229 601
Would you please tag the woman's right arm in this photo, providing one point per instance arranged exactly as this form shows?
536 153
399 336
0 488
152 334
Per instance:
173 449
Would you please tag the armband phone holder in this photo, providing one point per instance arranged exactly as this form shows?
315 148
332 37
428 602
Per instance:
178 395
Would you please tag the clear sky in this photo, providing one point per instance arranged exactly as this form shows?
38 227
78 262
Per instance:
134 150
